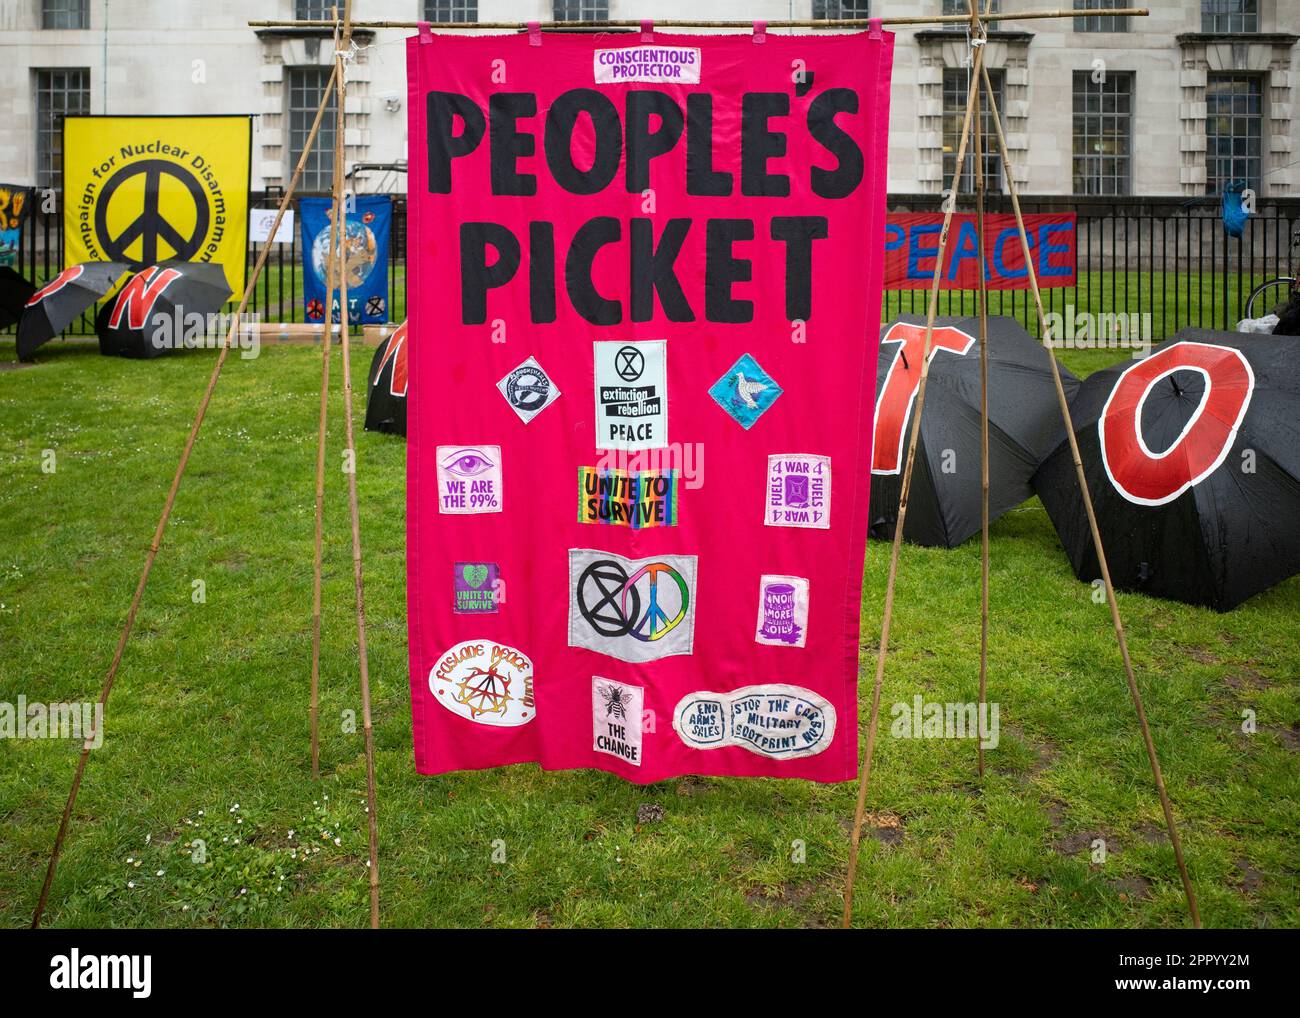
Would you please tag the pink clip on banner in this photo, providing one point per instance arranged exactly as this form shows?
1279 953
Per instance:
644 317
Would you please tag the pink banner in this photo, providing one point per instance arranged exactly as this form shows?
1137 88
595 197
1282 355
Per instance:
644 290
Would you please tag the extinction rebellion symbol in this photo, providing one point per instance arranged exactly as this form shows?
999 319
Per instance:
635 610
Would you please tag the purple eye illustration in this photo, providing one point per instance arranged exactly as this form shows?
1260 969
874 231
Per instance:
467 462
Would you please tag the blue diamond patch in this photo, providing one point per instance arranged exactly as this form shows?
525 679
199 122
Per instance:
745 391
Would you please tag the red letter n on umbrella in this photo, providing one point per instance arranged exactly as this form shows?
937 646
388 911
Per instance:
894 403
139 295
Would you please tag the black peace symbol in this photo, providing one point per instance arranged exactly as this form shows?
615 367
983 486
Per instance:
629 362
149 227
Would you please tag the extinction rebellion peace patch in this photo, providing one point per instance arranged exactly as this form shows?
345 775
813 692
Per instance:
774 720
627 498
746 391
631 394
485 682
631 609
798 491
528 390
475 586
616 718
469 479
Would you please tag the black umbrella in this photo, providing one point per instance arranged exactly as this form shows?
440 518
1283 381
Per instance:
60 301
162 307
1192 457
943 509
386 402
15 292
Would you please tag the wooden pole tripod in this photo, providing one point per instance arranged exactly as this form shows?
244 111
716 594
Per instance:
979 81
338 269
154 545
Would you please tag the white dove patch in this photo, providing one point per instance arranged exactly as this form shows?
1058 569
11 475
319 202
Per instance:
745 392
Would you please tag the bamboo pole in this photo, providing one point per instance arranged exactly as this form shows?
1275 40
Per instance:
1096 532
154 545
598 26
326 342
980 185
865 776
344 329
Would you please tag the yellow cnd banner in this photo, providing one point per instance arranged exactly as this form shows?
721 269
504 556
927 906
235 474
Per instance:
145 189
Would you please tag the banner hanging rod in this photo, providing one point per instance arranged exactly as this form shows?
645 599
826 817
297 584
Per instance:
577 26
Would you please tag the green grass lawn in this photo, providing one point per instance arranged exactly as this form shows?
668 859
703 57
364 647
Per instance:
207 735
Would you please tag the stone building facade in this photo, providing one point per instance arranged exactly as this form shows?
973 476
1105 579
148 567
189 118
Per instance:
1180 103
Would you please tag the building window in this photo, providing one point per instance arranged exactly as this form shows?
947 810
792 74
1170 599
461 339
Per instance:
1229 15
450 10
1098 22
60 92
316 10
580 10
961 7
306 85
1103 133
1233 131
65 13
832 10
955 93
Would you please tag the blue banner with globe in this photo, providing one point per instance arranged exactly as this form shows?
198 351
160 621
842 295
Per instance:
369 219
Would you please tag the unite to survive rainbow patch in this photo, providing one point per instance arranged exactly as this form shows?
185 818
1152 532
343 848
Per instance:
627 498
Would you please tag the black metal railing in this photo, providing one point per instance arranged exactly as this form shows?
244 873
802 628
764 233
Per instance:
1167 258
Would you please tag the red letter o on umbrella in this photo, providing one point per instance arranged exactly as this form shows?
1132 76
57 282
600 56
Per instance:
1154 478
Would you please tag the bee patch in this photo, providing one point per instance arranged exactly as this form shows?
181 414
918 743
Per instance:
616 719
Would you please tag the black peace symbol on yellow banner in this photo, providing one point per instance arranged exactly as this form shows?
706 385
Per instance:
150 225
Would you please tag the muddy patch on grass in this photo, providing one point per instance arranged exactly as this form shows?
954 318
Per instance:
885 827
1288 736
1044 753
794 895
1251 878
1131 888
1246 679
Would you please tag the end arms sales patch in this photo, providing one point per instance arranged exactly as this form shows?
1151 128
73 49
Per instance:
774 720
627 498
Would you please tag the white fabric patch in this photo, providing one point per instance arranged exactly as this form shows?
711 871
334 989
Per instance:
631 609
782 611
773 720
677 65
528 389
616 718
469 479
485 682
798 491
631 394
